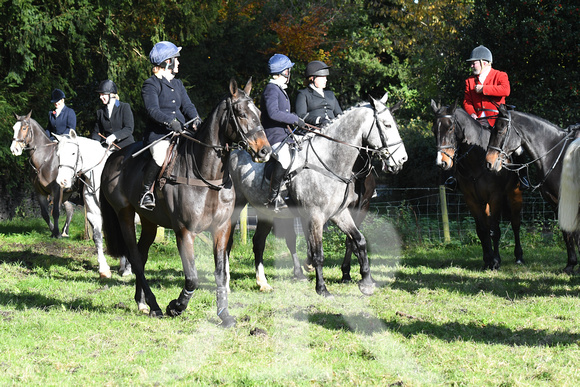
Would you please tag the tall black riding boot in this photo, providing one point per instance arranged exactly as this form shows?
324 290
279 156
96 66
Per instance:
149 176
274 199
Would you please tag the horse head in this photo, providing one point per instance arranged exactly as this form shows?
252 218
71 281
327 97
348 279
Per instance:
504 141
244 122
68 153
444 130
22 134
387 138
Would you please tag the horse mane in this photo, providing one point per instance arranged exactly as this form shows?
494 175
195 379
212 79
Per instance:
540 119
473 132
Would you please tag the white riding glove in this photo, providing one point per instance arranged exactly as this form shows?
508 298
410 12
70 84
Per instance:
111 139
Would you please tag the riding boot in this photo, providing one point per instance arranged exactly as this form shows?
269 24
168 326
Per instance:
274 200
149 176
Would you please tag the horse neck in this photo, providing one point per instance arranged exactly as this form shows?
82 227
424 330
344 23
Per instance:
41 147
349 128
542 140
473 133
92 154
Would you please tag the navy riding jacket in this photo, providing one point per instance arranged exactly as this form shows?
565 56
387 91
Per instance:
276 115
319 108
66 120
121 124
165 101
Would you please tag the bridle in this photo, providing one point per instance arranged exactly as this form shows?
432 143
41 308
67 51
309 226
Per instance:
442 148
504 157
384 151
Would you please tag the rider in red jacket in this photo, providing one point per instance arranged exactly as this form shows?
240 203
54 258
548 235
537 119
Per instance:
486 89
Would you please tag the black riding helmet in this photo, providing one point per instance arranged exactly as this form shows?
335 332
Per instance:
107 87
317 68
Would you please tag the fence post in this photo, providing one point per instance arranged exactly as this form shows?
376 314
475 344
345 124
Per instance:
244 225
444 214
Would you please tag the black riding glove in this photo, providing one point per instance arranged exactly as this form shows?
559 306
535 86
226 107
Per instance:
196 123
300 123
176 126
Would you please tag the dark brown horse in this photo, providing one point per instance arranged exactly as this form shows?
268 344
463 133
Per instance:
198 196
29 135
546 144
461 144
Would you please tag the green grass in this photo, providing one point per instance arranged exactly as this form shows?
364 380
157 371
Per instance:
435 319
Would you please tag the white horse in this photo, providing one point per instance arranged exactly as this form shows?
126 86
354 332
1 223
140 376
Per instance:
570 189
83 158
322 183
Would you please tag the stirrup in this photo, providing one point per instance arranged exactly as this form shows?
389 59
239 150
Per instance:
278 204
147 201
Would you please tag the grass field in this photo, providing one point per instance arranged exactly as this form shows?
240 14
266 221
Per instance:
435 319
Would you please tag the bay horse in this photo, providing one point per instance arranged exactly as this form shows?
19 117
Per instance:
83 159
321 185
545 143
570 189
198 196
461 144
29 135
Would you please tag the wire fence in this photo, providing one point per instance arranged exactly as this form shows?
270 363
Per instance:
417 215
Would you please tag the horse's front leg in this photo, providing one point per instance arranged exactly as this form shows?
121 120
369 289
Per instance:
220 242
93 213
346 262
69 210
482 229
495 233
359 247
185 245
572 241
44 211
56 202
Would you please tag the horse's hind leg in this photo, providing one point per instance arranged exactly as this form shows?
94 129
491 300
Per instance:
572 242
69 210
315 252
345 267
185 245
263 228
516 221
290 238
43 201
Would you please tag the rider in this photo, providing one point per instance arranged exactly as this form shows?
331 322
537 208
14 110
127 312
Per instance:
62 119
168 109
314 104
114 119
276 116
485 91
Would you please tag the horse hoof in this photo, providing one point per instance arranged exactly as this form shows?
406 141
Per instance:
520 261
309 268
156 314
126 272
346 279
266 288
172 311
105 274
368 289
143 308
300 277
228 322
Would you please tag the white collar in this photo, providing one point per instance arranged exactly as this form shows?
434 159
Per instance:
280 81
483 74
317 89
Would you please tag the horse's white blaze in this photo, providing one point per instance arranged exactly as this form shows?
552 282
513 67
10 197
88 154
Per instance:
16 147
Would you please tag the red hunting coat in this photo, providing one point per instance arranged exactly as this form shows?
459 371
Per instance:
495 88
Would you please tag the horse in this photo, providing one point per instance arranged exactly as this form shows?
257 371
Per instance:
461 144
196 197
321 183
546 144
364 189
570 189
29 135
84 159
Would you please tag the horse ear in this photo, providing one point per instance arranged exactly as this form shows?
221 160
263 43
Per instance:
73 134
233 87
385 98
435 106
29 115
248 87
454 105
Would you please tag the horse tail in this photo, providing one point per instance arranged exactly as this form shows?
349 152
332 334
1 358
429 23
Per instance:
570 188
116 246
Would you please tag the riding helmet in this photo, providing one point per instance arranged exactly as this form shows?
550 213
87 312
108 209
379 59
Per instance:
162 51
317 68
481 53
107 87
57 95
278 63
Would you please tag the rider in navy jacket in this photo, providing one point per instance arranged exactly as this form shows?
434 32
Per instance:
168 110
62 119
114 119
276 116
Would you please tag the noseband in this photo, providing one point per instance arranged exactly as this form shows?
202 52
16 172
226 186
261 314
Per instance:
384 150
442 148
502 153
28 137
